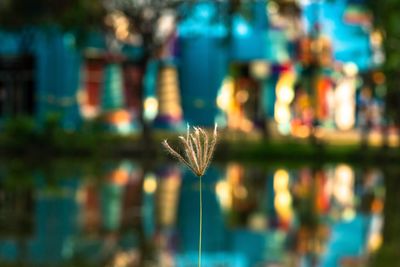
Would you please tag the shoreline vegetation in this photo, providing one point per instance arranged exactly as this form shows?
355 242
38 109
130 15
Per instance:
89 144
21 137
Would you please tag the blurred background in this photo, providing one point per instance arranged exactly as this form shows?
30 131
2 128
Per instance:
305 94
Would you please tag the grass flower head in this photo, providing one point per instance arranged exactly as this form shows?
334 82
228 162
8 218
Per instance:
198 148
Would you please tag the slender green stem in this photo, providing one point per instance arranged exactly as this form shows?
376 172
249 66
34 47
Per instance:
200 221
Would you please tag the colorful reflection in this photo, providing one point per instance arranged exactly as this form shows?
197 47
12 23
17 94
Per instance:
253 216
283 198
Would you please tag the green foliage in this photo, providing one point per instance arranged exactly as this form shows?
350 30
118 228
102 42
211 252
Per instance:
386 256
19 132
52 126
21 135
19 126
386 19
69 14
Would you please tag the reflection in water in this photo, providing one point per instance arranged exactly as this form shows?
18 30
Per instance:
253 216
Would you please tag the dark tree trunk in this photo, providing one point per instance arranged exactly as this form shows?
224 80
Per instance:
388 253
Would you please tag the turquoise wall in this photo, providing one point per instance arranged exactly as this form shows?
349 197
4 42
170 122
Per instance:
57 77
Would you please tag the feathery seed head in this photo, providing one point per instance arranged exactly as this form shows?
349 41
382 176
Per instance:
198 149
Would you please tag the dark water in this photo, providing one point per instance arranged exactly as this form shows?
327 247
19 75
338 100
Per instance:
121 213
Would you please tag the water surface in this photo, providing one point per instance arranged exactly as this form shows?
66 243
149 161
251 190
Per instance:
123 213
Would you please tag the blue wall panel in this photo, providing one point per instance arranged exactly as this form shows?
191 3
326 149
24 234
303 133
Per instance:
202 68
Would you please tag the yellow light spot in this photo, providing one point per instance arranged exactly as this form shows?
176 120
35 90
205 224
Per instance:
283 200
150 108
375 242
150 184
281 180
344 118
349 214
344 184
345 104
376 38
121 33
344 174
259 69
282 113
350 69
285 94
224 98
284 88
223 191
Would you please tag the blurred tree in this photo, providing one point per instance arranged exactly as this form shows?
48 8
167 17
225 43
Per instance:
387 21
142 23
70 14
78 16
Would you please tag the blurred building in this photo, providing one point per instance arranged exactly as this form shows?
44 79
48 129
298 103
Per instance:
287 65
